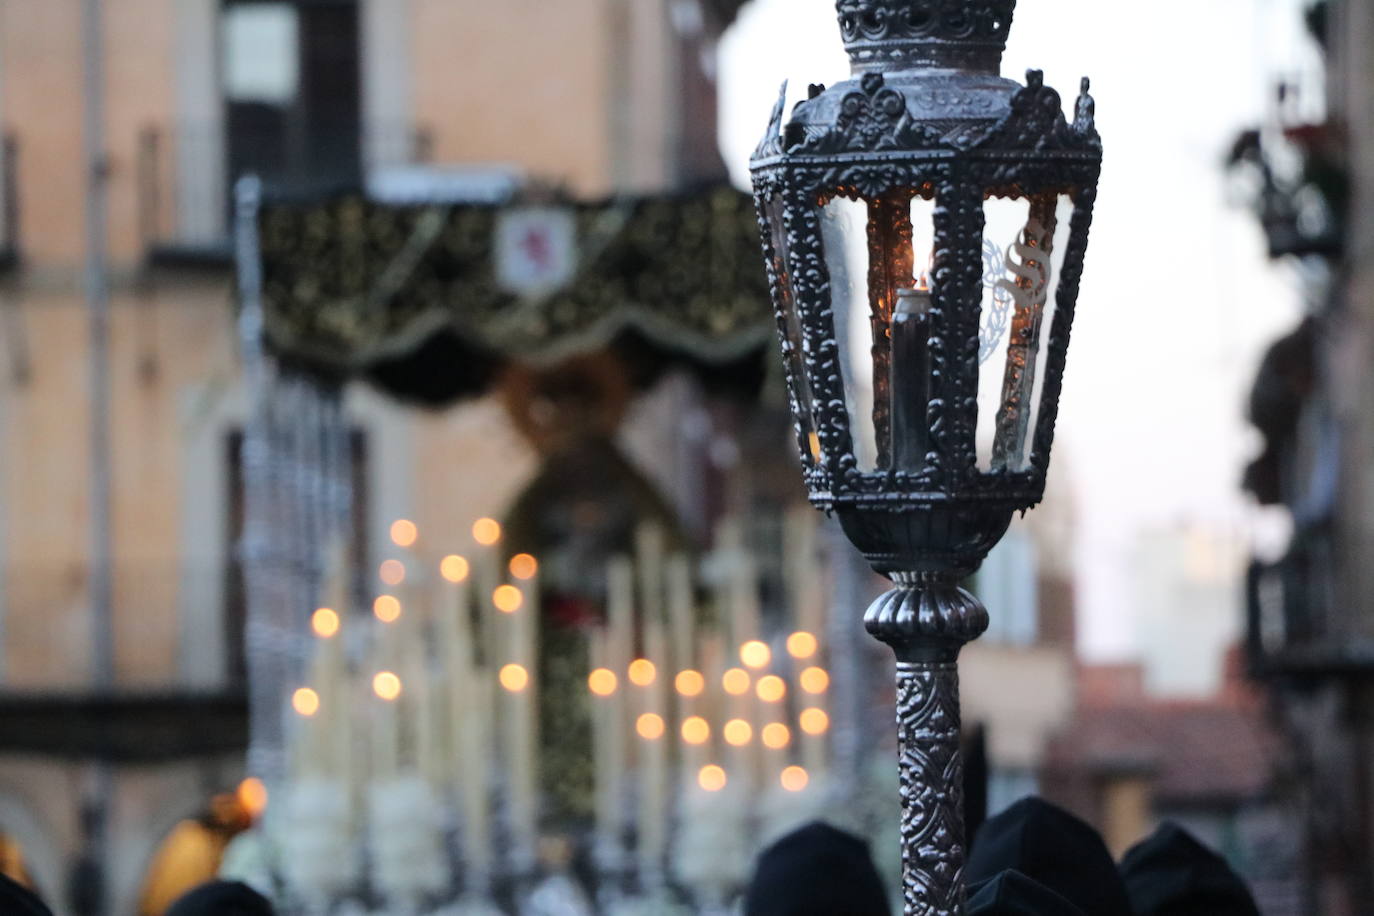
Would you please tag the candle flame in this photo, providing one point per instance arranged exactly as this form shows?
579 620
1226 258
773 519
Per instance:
486 531
794 779
738 732
386 685
772 689
650 726
305 701
404 533
392 572
755 654
602 682
776 736
642 672
454 568
387 608
815 680
711 778
325 622
690 683
514 678
507 598
696 730
523 566
802 644
252 796
735 681
814 721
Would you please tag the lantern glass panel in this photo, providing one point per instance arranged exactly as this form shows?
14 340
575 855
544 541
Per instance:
1024 243
794 343
844 237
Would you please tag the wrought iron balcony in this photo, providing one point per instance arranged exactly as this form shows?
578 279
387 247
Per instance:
1295 626
9 201
186 174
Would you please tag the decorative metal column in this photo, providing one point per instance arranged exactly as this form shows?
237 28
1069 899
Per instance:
925 225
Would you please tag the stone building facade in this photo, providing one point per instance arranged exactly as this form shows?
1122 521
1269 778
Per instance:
593 96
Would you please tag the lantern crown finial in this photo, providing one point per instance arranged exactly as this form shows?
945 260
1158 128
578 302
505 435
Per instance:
918 34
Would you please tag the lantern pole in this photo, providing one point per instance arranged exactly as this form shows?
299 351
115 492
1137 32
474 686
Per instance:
926 620
925 115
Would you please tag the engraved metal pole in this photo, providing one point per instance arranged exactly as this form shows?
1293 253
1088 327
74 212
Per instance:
926 620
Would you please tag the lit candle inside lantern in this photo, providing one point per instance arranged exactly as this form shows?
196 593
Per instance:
910 376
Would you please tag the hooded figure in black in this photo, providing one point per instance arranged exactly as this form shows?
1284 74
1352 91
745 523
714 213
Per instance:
816 870
1172 874
17 900
1013 894
1054 850
222 898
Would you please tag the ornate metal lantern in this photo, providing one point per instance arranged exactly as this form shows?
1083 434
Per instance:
924 226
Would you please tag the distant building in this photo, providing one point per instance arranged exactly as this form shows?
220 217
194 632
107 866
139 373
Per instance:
1311 604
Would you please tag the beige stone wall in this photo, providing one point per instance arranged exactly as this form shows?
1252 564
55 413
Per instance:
164 345
578 92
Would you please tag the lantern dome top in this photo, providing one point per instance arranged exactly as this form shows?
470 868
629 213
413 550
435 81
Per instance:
885 35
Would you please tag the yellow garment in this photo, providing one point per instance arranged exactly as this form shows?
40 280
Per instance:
189 857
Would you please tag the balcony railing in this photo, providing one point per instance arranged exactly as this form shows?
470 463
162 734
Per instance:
186 176
1294 623
178 629
9 201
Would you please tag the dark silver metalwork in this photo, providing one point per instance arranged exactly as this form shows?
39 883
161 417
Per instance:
926 120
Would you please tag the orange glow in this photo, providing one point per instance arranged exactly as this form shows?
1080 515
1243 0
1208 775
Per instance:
523 566
392 572
813 442
755 654
690 683
696 730
642 672
387 608
711 778
325 622
454 568
650 726
404 533
252 796
794 779
602 682
486 531
815 680
801 644
305 702
736 682
738 732
386 685
772 688
775 735
507 598
514 678
814 721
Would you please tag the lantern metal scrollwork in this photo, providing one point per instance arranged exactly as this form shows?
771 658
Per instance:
925 225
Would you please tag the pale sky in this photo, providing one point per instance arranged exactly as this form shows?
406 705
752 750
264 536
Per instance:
1178 301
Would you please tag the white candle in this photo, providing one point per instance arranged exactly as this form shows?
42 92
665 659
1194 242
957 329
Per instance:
476 704
653 754
607 688
522 720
